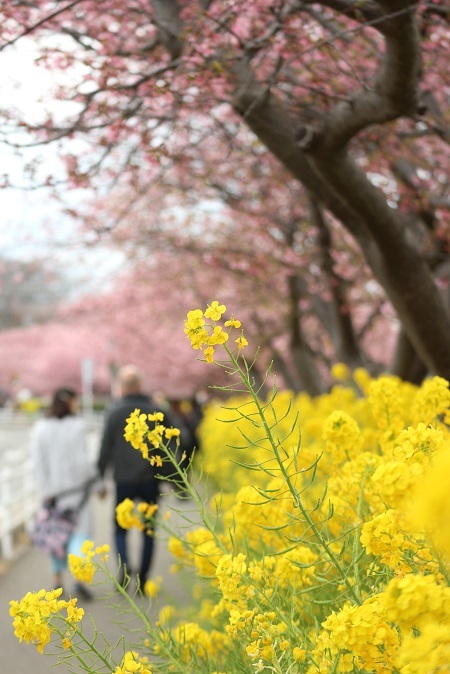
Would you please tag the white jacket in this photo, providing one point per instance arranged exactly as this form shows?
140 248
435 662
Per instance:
60 461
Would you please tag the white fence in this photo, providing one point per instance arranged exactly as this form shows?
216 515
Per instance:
18 503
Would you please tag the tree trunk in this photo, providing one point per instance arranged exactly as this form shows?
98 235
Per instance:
289 377
342 333
344 190
301 354
407 365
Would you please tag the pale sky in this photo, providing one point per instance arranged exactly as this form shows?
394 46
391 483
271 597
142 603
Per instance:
31 223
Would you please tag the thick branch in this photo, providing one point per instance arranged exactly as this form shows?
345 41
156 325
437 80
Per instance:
407 364
301 354
393 94
344 189
412 289
347 348
269 121
167 18
367 12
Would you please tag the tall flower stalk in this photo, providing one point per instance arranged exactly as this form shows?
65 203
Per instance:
331 555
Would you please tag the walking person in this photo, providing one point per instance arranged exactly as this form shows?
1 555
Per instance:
134 477
64 474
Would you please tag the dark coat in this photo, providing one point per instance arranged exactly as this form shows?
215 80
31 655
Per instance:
127 463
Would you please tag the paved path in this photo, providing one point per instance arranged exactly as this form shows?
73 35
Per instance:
31 572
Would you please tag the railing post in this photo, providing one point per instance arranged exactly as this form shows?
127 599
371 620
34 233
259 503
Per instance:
5 514
29 493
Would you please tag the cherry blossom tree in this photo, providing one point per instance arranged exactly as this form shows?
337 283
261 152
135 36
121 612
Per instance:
350 99
279 272
143 317
42 358
140 321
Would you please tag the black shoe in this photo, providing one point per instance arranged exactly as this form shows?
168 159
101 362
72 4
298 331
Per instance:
81 591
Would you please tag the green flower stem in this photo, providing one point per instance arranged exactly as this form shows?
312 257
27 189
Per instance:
196 496
150 630
442 566
92 648
321 540
356 540
276 666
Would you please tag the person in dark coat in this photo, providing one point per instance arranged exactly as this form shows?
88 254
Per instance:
134 477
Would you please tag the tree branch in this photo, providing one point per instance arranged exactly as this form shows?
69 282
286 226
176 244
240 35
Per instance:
167 19
367 12
39 24
341 186
393 94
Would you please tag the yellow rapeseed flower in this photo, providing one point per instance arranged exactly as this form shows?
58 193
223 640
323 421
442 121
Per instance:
340 372
232 323
167 614
218 336
131 515
133 664
81 568
342 436
176 548
34 613
125 514
416 601
432 401
194 320
429 506
215 311
299 654
147 510
241 342
156 416
136 430
152 586
209 353
171 433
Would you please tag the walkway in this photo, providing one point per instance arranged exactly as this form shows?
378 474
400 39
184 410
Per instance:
31 572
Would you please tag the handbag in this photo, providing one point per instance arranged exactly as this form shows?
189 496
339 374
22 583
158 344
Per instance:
53 525
52 529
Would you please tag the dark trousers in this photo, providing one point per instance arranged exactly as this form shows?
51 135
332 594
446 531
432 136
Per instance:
137 491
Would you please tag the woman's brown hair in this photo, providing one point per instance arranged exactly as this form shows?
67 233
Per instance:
61 403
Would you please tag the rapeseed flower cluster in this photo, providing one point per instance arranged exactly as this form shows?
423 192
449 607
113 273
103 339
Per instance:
325 548
205 333
366 463
140 515
143 437
38 615
357 638
81 566
133 664
203 549
152 586
197 644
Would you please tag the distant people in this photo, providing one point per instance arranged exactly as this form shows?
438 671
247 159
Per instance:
134 477
64 474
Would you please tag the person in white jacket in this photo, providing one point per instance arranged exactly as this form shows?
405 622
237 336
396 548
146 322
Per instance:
61 464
